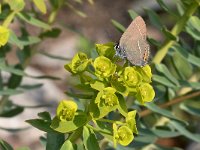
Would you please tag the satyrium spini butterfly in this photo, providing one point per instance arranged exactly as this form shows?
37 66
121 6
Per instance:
133 44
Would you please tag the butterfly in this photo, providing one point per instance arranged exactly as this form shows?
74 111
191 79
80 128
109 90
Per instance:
133 44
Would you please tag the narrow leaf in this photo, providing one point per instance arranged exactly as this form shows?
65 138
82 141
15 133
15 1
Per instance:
155 20
189 109
82 96
55 141
168 34
132 13
185 132
89 139
164 70
67 146
40 4
5 146
33 21
118 26
163 80
54 56
188 56
161 111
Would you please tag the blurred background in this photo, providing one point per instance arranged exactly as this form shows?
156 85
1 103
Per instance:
82 24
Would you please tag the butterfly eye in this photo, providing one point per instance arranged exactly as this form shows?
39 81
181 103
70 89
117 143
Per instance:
117 46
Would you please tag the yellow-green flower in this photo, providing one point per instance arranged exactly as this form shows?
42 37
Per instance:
118 84
4 35
104 67
16 5
145 93
78 63
105 102
131 77
130 121
66 110
107 98
106 49
145 73
122 135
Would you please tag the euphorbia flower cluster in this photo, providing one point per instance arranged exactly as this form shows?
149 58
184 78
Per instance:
4 35
110 83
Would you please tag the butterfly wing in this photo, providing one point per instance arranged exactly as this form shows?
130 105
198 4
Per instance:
133 42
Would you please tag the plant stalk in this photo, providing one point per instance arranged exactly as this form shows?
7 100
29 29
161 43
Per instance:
179 26
171 102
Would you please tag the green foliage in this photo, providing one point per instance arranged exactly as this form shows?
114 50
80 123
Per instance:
106 98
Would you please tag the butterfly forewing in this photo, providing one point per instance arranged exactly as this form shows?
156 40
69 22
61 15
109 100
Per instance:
134 44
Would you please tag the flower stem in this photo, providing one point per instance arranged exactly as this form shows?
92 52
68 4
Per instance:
98 130
9 19
110 121
179 26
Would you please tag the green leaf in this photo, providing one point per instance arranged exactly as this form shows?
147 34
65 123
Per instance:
41 124
168 34
185 132
22 41
29 40
67 146
193 27
54 56
13 39
5 146
97 85
164 70
31 87
33 21
132 13
68 126
163 80
118 26
23 148
146 137
154 42
181 62
11 69
193 85
53 33
81 96
11 111
190 109
188 56
165 7
89 139
16 5
78 12
154 18
54 141
15 80
14 129
10 92
161 111
43 77
122 105
45 115
105 128
165 133
160 147
40 4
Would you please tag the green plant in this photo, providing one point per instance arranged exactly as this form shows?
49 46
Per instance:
112 101
26 46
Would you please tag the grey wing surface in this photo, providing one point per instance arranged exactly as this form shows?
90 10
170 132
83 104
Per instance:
133 41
